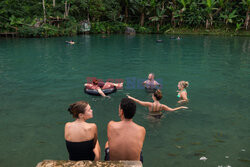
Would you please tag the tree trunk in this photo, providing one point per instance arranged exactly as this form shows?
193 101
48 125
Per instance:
207 24
68 9
44 12
142 19
126 14
158 26
211 19
67 6
247 20
161 18
173 20
54 3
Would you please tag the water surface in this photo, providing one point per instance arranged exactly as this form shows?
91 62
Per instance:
41 77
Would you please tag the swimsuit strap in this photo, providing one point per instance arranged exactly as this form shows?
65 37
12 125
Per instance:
154 107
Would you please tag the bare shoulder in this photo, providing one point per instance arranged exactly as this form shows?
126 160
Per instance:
113 125
92 126
112 122
68 124
141 128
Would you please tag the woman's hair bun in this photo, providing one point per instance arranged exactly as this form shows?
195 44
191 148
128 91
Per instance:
76 108
70 108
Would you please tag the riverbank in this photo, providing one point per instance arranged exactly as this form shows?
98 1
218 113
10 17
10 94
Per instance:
217 31
117 28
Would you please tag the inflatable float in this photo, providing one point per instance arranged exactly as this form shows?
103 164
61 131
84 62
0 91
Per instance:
96 93
106 91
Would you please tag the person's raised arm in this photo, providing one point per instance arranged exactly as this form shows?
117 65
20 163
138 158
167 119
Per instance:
143 103
166 108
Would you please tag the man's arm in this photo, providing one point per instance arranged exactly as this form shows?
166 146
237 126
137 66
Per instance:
109 129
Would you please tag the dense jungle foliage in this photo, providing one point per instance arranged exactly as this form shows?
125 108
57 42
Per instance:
43 18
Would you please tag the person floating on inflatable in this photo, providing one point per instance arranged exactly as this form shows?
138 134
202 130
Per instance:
101 88
70 42
151 84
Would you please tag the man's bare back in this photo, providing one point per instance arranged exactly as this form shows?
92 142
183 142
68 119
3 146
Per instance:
125 140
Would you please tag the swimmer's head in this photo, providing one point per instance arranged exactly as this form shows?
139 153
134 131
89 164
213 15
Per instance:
128 107
80 109
151 76
157 94
183 84
95 81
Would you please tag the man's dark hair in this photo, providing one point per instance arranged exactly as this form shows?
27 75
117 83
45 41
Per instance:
129 107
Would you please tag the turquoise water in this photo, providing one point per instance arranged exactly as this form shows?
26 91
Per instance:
41 77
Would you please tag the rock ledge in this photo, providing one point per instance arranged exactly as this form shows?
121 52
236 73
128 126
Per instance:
64 163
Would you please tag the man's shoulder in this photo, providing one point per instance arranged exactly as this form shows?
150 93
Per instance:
112 123
141 128
156 82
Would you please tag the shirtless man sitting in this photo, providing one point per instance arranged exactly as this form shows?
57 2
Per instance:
125 138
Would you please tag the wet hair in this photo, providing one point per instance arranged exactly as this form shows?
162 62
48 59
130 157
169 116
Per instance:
95 81
129 107
78 107
158 94
184 84
151 74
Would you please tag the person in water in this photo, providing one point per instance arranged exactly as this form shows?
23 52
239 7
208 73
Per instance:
182 93
95 85
156 107
151 83
125 138
80 136
70 42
